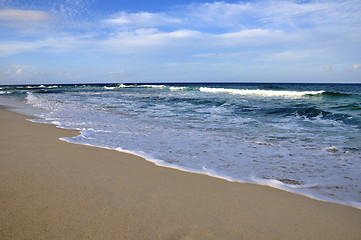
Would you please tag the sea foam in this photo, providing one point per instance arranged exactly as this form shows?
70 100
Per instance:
266 93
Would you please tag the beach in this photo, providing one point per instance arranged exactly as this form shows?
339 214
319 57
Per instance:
52 189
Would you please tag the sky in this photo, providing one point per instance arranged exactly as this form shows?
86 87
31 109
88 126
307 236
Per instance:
130 41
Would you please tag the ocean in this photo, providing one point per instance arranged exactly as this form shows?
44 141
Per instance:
302 138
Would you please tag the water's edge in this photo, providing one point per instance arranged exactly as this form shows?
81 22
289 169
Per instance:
208 172
23 108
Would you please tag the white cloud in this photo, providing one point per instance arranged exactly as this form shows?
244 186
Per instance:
352 68
16 15
60 43
15 69
280 11
260 56
252 37
27 21
327 68
275 13
14 47
147 40
117 73
251 33
143 19
18 71
52 16
143 40
186 40
219 14
289 56
290 25
356 66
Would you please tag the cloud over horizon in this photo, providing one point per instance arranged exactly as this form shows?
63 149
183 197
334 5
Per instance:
16 15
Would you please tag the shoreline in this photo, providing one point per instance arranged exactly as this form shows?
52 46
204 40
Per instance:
58 190
272 183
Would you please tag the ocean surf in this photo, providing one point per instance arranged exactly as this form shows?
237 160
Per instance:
303 138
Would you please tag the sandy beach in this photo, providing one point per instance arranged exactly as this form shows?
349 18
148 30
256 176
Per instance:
51 189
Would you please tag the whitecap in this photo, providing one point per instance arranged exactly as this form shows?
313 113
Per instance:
265 93
153 86
178 88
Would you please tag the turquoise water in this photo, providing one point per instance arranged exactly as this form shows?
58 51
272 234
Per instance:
304 138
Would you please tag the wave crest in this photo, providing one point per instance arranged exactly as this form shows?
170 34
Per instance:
259 92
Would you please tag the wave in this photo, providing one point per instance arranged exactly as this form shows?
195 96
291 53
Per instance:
152 86
121 85
259 92
53 86
308 112
117 86
47 91
332 95
43 86
352 106
274 87
178 88
40 86
315 115
335 94
31 98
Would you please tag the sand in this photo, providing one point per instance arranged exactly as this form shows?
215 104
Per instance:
51 189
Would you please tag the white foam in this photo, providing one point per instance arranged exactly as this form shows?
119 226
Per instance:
178 88
297 189
265 93
40 86
20 107
301 190
331 149
161 163
31 98
153 86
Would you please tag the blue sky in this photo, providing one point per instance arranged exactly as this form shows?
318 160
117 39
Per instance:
94 41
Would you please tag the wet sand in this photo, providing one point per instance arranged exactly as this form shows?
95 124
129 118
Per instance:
51 189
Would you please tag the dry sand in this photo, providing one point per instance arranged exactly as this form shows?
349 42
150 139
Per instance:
50 189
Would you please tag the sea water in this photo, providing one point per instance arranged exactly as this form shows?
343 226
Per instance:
303 138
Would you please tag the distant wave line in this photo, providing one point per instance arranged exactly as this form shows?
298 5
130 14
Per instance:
267 93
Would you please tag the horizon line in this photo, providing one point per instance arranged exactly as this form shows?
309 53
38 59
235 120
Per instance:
169 83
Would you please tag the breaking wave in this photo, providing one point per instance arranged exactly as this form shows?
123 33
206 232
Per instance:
259 92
